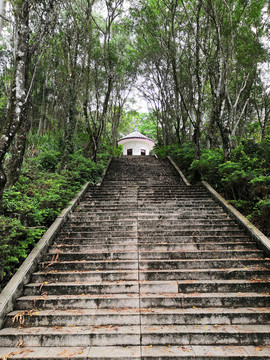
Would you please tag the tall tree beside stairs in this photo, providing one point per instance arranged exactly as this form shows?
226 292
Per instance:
16 121
18 94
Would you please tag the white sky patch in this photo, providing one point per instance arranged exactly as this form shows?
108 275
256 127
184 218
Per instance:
137 102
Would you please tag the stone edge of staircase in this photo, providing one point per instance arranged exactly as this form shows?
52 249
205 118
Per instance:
179 171
262 241
15 286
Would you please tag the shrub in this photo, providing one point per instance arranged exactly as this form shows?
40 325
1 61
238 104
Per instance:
208 165
15 243
183 156
48 160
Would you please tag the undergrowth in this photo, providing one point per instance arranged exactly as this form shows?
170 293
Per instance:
244 180
33 203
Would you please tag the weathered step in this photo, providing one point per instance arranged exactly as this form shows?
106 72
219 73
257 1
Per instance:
196 239
82 301
180 286
151 352
146 300
65 256
79 240
145 233
178 216
146 316
216 286
79 288
67 352
74 317
201 300
97 275
132 255
89 265
97 227
93 246
168 264
191 226
256 335
201 274
99 234
75 335
186 223
214 316
201 254
204 352
196 246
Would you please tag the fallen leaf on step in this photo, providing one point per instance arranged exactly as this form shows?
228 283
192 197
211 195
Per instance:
20 344
62 353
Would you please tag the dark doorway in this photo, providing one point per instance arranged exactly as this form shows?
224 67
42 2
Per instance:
129 152
143 152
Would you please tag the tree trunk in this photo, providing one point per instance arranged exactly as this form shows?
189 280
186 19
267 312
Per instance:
18 87
17 154
3 4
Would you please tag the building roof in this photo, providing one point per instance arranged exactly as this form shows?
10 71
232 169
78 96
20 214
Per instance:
135 135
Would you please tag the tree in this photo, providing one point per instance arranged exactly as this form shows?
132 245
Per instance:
25 47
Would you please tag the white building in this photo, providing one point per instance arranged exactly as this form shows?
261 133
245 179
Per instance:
136 144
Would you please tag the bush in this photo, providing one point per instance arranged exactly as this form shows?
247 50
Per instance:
84 169
33 203
208 165
15 243
183 156
48 160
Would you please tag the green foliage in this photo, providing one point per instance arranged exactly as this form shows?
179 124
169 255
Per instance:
32 204
208 164
84 169
48 160
15 243
244 180
183 156
112 151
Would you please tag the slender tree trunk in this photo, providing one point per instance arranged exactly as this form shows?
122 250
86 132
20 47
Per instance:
17 154
18 89
3 4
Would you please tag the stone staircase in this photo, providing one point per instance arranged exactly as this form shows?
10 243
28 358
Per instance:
146 268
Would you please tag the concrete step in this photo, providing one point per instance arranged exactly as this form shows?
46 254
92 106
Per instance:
256 264
150 352
145 316
155 239
256 335
149 275
79 265
145 300
204 300
78 288
211 334
204 274
173 286
229 263
82 301
96 275
170 255
200 254
92 246
59 336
